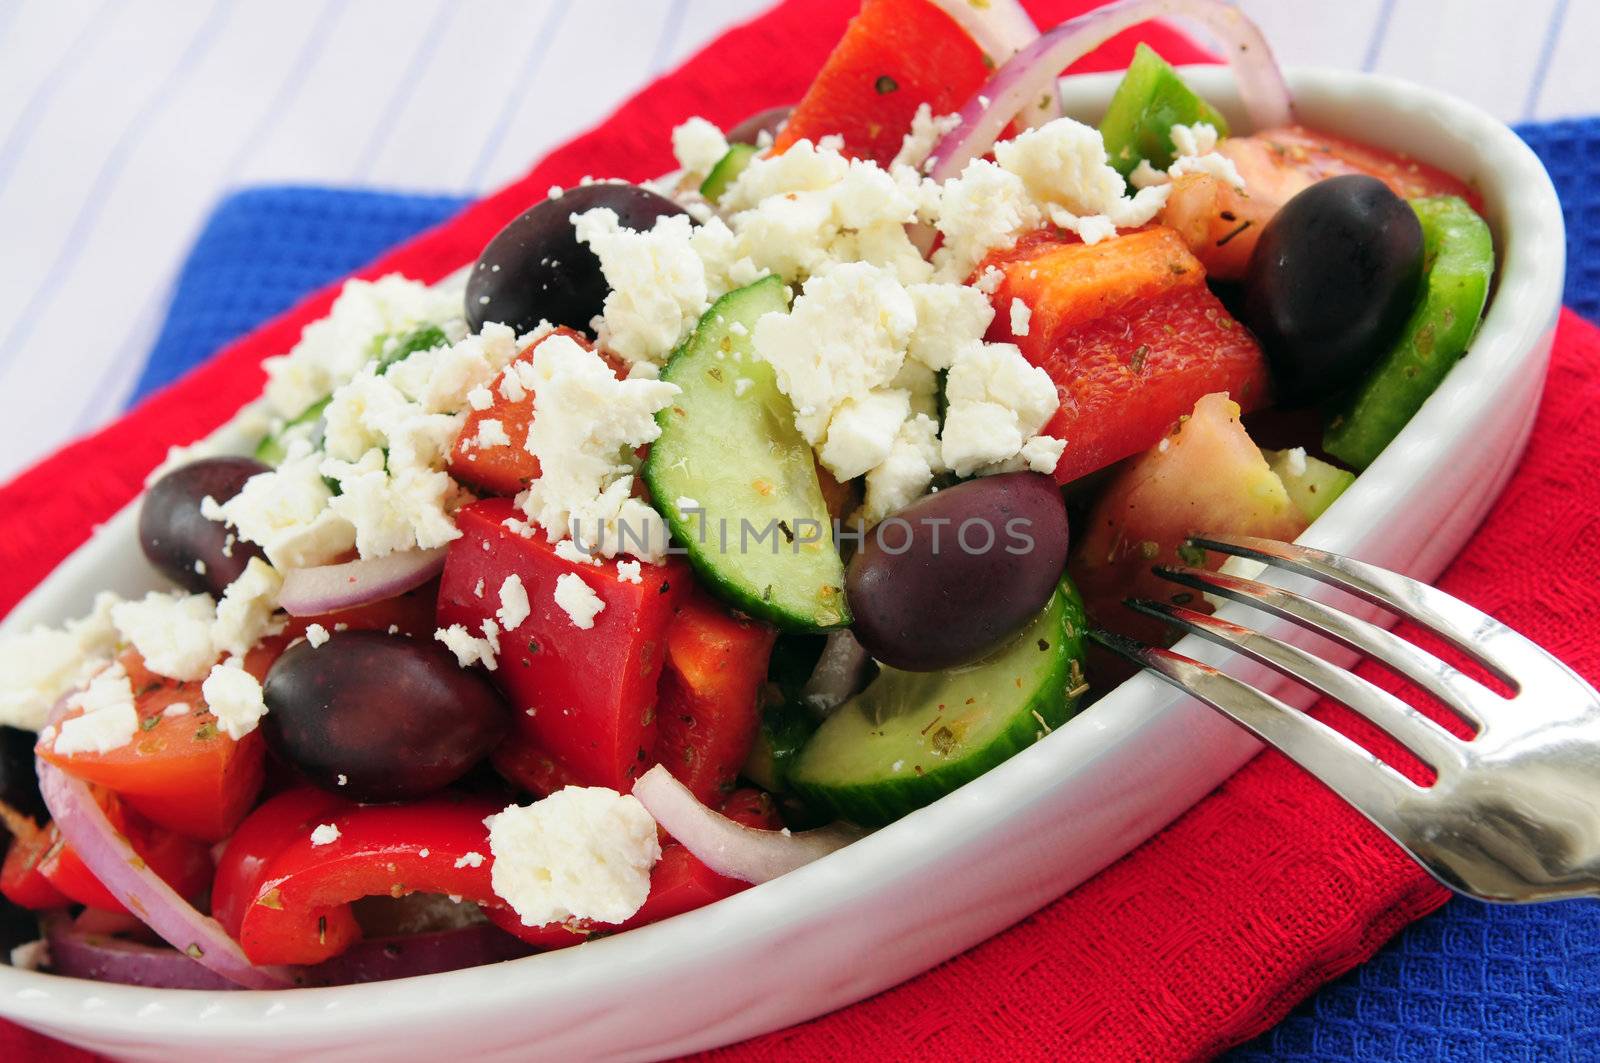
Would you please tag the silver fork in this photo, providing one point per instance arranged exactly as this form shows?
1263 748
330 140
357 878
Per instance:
1514 814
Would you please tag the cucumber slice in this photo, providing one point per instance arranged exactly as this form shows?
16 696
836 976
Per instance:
727 170
1458 251
1312 483
737 482
912 737
1150 99
275 446
785 729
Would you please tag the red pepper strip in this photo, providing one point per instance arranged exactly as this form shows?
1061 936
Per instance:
299 910
708 713
21 880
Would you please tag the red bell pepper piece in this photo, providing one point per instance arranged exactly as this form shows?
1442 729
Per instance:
585 698
287 899
708 712
894 56
21 879
678 883
180 771
1131 336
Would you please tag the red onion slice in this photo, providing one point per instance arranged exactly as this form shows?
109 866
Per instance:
77 953
730 848
434 952
110 858
838 675
1033 71
329 588
1002 29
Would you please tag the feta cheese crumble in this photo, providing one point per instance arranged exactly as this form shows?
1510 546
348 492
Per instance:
234 697
109 720
628 572
316 634
468 648
698 146
514 608
472 859
325 834
588 425
43 663
581 853
578 600
1021 315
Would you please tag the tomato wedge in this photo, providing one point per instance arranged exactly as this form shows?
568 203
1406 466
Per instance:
179 770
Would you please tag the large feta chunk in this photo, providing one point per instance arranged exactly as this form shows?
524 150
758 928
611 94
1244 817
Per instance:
997 401
109 719
234 697
588 425
698 146
862 431
172 632
845 335
286 512
658 283
581 853
43 663
578 600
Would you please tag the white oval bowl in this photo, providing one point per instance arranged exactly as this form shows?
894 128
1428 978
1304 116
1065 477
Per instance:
966 867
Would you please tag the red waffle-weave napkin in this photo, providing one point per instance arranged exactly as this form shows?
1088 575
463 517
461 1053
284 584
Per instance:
1201 938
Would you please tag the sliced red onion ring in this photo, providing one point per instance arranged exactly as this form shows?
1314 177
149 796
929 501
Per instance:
329 588
838 675
380 959
1033 71
730 848
1002 29
80 954
109 857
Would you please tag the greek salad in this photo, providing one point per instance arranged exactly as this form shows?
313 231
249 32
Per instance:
702 526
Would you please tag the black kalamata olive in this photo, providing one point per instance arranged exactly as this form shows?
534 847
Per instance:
1331 283
769 121
954 575
19 783
196 553
378 717
536 269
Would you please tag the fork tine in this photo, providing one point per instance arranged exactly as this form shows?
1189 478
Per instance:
1466 628
1457 690
1374 788
1411 728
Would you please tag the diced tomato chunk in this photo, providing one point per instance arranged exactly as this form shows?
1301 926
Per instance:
586 697
894 56
1221 224
708 711
506 468
180 770
522 762
1131 336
